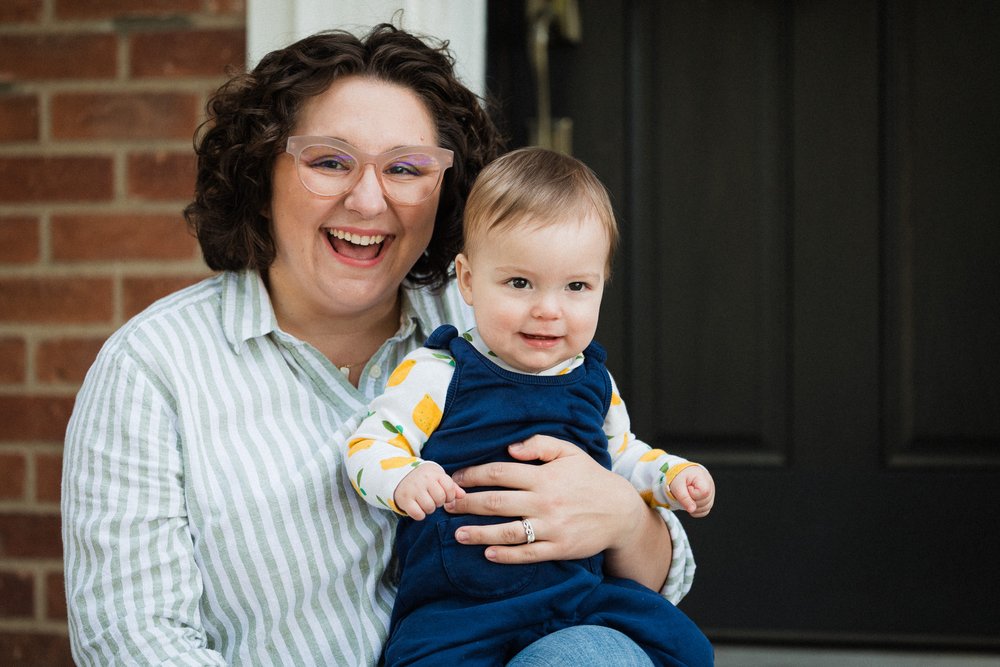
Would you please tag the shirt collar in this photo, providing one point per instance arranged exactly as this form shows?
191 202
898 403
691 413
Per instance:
246 308
421 312
411 318
247 311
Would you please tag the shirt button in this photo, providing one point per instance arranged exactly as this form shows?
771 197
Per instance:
375 371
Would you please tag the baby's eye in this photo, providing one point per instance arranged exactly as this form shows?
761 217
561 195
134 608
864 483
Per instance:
577 286
519 283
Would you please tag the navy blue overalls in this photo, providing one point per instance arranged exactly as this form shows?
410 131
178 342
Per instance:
454 606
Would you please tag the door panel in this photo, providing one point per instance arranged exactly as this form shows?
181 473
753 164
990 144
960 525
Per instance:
942 198
806 295
708 246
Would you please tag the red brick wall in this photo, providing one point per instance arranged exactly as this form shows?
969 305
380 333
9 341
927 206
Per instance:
98 103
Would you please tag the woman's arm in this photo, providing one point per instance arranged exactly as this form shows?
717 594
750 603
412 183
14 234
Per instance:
577 509
132 583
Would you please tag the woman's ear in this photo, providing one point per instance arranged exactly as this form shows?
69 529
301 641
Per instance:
463 273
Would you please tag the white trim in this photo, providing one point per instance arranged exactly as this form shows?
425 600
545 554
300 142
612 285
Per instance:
272 24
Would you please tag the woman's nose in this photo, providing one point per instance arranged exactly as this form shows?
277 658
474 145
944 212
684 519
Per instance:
366 197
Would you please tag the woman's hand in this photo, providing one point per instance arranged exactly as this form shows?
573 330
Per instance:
576 507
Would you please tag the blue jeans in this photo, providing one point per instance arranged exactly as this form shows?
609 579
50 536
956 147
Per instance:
590 645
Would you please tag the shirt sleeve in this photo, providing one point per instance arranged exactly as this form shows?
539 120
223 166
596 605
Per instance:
650 472
682 566
132 582
387 444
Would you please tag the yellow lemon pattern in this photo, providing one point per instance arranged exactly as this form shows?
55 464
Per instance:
358 444
398 462
401 442
427 415
400 373
398 439
624 444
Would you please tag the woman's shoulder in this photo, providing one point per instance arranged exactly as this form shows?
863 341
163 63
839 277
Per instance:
174 315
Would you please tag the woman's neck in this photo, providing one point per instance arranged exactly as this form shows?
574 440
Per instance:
352 343
348 340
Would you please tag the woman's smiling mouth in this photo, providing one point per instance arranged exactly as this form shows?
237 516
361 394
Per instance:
355 246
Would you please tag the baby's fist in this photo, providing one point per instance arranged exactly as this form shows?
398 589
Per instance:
424 489
694 489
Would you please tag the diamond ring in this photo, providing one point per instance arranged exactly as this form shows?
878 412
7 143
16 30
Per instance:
529 531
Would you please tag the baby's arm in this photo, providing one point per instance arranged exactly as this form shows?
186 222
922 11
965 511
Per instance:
662 479
385 448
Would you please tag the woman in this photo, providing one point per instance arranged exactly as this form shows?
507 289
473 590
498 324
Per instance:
207 516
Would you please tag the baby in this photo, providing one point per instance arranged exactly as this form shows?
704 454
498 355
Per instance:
539 237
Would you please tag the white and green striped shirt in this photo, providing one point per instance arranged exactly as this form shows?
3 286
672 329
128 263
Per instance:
208 519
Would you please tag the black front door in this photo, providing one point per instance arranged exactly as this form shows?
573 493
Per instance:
807 295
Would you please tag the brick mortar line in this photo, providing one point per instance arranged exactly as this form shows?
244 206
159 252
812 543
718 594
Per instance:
36 388
176 22
33 627
30 367
110 207
26 448
123 58
44 238
29 508
118 268
38 391
30 563
39 333
40 594
119 175
149 84
96 147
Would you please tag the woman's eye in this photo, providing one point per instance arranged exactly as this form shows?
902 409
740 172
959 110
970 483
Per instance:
519 283
332 163
412 165
403 169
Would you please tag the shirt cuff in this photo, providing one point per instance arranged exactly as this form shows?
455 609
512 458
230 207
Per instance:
682 565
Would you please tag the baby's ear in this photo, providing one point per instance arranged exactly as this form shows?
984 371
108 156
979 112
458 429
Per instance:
463 273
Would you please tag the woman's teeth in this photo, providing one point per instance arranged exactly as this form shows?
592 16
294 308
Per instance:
356 239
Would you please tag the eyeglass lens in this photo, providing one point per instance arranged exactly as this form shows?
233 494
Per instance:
407 177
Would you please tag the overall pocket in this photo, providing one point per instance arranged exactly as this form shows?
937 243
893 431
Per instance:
469 571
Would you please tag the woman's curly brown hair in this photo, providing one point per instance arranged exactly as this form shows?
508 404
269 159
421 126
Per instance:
251 116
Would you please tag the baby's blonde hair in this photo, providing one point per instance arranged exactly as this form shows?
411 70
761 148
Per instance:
540 184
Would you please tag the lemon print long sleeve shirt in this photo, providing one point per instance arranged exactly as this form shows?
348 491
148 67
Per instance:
387 445
208 518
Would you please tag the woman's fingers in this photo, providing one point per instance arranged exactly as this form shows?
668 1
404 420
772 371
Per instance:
504 474
510 533
543 448
492 503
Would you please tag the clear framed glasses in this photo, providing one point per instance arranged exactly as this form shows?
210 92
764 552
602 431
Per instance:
329 167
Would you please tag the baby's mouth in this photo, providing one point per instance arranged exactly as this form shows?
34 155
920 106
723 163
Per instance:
355 246
538 336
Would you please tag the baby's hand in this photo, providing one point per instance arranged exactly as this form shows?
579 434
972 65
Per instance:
694 489
424 489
